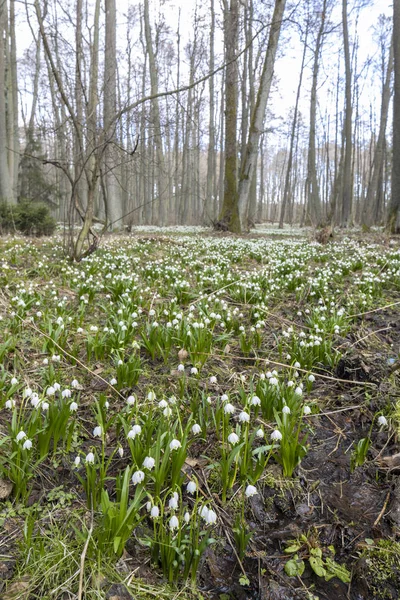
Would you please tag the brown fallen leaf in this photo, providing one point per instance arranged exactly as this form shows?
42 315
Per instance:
5 489
391 461
182 354
18 590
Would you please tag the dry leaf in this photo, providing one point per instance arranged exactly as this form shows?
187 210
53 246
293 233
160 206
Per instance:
19 590
182 354
5 489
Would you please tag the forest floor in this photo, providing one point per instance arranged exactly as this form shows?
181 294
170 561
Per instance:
200 416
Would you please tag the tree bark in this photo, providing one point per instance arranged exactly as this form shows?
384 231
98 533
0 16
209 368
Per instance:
393 217
347 194
371 201
229 215
111 170
256 125
6 194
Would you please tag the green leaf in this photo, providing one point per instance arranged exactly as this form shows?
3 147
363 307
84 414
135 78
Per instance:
117 541
293 548
336 570
317 566
294 567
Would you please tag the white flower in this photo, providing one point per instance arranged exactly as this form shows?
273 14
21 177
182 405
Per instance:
97 431
255 401
196 429
307 410
186 517
27 445
10 404
35 400
57 386
173 503
229 409
260 433
224 397
174 445
191 487
21 436
286 410
137 477
213 379
211 517
75 383
273 381
297 365
90 458
155 512
276 435
298 391
194 371
73 407
173 523
14 381
382 421
121 451
250 491
45 361
244 417
181 368
131 400
66 393
151 396
50 391
311 378
163 404
77 461
149 463
233 438
167 412
45 406
136 430
113 381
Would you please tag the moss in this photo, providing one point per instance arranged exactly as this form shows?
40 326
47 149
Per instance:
382 569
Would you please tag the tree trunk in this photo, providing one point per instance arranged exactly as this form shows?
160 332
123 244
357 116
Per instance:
250 159
6 194
377 166
210 201
347 194
111 170
393 218
229 215
313 199
162 187
287 188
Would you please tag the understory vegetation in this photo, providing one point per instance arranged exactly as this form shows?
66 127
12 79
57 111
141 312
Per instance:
199 417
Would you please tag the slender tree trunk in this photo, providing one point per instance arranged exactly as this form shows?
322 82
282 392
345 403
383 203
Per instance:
250 160
13 104
6 193
210 201
393 217
287 188
111 170
312 188
162 186
347 194
372 193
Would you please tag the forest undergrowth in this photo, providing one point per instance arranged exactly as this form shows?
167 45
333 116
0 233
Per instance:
200 417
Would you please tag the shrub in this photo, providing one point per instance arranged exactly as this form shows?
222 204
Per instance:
30 218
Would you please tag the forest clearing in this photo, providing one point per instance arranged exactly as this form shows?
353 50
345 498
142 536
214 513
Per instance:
200 416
